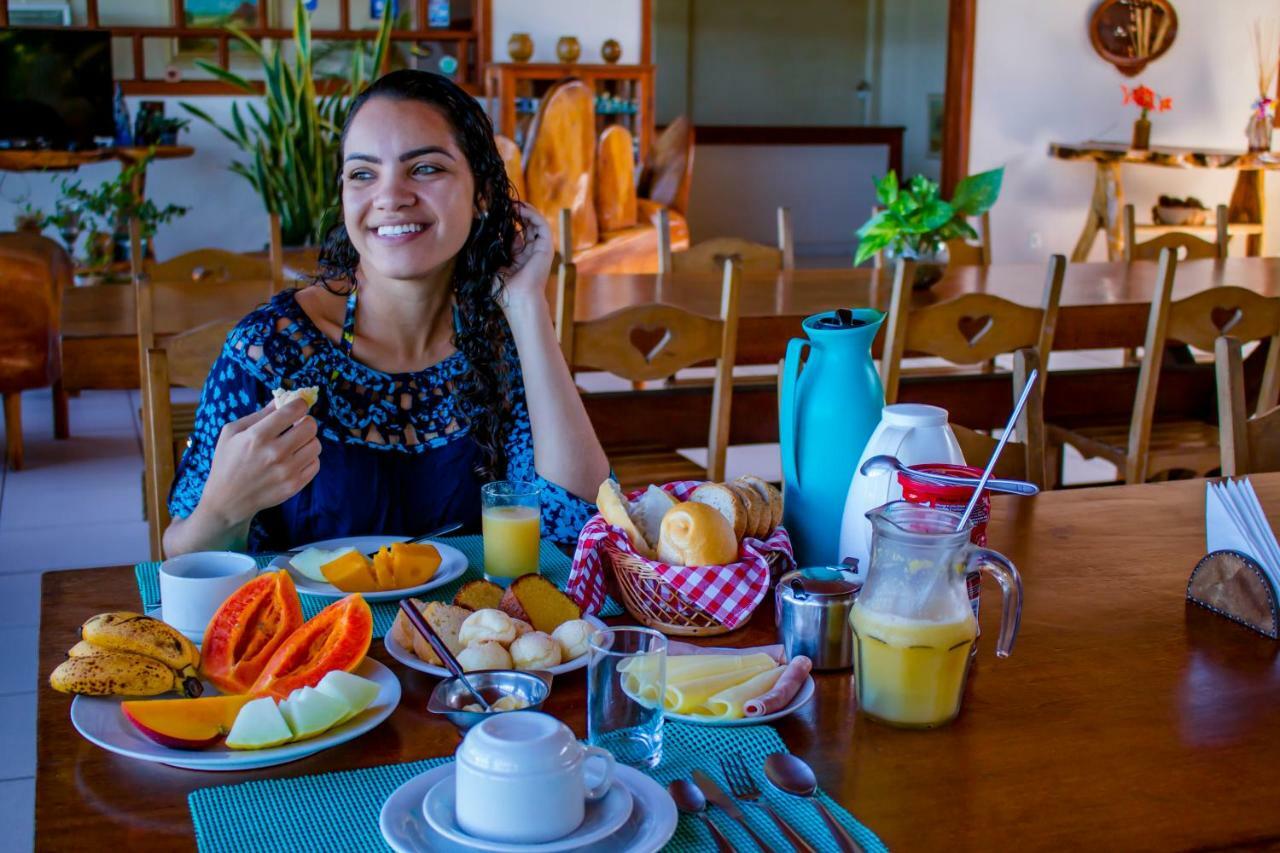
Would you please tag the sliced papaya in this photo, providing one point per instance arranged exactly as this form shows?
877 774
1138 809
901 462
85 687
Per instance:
352 572
335 638
383 569
248 629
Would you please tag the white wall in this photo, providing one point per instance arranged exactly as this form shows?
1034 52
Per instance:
912 62
591 21
1037 80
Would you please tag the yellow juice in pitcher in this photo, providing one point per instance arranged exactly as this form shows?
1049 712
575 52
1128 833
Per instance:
910 672
511 535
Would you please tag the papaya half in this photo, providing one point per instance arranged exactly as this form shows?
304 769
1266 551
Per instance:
335 638
248 629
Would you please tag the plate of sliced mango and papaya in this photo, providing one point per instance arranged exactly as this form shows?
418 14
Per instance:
333 568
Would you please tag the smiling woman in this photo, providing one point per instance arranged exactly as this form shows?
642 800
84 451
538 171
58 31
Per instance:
447 376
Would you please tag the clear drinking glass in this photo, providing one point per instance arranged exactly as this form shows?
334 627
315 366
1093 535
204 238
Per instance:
626 678
511 519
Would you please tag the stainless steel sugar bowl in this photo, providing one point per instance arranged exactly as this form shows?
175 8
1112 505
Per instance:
812 609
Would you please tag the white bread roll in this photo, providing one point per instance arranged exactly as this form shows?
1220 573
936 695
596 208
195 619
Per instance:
648 510
535 650
694 534
285 396
522 627
486 654
724 501
574 637
488 624
615 508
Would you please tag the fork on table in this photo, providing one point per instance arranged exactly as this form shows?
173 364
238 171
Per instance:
743 787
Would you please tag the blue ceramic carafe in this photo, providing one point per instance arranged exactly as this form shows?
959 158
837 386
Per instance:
827 412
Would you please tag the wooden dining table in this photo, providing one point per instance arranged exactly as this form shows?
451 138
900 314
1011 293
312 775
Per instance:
1125 718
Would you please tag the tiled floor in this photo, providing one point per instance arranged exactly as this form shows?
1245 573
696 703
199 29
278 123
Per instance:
77 504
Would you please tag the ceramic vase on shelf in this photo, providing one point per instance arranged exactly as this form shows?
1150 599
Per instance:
520 47
568 49
611 51
1141 135
1258 131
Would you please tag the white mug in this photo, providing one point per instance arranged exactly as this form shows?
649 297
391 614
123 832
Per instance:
520 778
193 586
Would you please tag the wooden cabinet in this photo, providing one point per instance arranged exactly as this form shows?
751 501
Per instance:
624 95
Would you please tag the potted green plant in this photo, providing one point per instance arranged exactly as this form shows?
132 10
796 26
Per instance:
915 222
155 129
291 146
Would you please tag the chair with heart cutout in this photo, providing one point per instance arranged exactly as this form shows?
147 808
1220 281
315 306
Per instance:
642 343
1142 448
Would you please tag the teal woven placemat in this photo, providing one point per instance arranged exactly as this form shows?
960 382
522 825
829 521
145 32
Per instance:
339 811
553 564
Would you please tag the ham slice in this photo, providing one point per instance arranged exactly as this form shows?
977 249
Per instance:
676 647
783 691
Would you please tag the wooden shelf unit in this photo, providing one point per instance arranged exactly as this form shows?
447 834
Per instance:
505 82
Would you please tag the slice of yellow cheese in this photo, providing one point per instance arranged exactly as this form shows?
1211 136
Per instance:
729 704
683 697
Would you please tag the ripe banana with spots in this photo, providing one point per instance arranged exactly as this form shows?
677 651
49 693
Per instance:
84 649
133 633
106 673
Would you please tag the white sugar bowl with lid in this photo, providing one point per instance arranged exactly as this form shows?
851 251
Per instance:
521 778
915 434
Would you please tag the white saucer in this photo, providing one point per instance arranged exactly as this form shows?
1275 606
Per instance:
650 826
602 818
452 564
409 659
797 702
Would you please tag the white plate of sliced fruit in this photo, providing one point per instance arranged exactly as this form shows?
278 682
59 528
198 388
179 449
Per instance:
398 570
194 734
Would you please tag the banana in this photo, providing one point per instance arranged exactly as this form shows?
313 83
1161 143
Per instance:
119 674
142 635
84 649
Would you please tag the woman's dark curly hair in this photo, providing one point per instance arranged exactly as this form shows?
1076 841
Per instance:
481 332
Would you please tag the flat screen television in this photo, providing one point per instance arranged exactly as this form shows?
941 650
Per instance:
55 87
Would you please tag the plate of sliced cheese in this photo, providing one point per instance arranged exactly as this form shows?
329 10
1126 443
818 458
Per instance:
333 568
723 689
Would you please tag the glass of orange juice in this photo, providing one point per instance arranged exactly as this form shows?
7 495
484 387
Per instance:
511 518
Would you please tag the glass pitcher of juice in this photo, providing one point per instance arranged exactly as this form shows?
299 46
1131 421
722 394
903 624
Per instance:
913 627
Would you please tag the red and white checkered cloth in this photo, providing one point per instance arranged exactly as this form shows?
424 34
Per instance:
727 594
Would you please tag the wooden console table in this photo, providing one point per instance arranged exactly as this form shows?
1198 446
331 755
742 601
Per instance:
1245 212
25 160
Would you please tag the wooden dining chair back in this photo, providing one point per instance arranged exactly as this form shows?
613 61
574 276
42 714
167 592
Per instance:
971 329
667 174
559 159
962 253
616 179
1023 457
641 343
1188 246
34 271
214 265
1249 445
182 361
513 163
710 255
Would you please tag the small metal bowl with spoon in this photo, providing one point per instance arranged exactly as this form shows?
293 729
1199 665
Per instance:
451 697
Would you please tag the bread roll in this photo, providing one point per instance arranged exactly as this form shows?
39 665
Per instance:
615 508
757 509
694 534
724 501
535 650
771 496
285 396
486 654
648 509
574 638
522 627
487 624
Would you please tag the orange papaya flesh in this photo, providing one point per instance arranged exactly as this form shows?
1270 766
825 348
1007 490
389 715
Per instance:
337 637
247 630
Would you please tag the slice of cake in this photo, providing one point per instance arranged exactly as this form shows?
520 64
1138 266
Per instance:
479 595
536 600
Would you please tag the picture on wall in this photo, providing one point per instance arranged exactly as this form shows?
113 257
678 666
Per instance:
214 14
935 123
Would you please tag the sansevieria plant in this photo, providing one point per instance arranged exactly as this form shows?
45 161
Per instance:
291 145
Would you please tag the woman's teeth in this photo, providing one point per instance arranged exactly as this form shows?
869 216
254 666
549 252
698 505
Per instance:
396 230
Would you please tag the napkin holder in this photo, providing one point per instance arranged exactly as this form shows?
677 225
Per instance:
1233 585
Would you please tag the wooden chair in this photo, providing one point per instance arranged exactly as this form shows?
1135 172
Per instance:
648 342
183 361
1024 455
1141 448
615 179
969 330
667 174
962 253
34 271
1187 245
1249 445
559 159
710 255
214 265
513 162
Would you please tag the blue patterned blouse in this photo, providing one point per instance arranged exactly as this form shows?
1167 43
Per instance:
395 458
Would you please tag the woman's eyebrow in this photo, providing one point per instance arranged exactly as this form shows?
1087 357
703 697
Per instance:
366 157
426 149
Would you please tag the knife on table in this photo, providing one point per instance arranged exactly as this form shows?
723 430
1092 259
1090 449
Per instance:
717 797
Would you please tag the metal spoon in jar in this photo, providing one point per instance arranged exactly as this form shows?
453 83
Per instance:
792 776
689 799
892 463
428 633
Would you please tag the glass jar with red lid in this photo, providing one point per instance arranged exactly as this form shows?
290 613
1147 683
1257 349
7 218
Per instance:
955 499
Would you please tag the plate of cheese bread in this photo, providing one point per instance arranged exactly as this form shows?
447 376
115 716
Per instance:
531 625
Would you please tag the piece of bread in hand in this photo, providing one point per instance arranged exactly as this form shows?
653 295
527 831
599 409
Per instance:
641 520
285 396
694 534
724 501
771 496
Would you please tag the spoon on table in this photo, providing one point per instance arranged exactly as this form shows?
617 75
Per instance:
884 462
424 628
792 776
689 799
